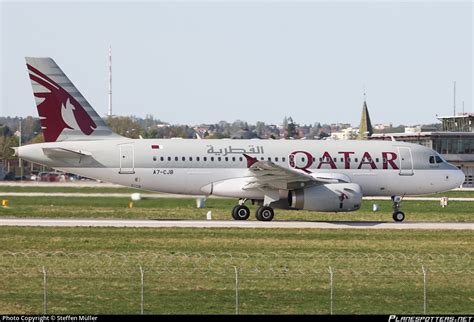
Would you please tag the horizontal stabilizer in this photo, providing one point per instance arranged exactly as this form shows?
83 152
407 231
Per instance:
61 153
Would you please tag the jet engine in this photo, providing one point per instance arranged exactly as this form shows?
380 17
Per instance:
327 197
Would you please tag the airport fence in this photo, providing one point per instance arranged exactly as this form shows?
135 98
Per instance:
235 283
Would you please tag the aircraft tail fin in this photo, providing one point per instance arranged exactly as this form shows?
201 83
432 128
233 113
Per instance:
64 113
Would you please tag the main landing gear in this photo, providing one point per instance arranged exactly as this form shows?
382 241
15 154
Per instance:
398 215
242 212
265 213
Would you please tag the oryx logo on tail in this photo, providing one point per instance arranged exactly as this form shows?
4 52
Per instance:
58 109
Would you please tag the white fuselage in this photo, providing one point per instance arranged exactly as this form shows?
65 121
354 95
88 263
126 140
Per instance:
204 167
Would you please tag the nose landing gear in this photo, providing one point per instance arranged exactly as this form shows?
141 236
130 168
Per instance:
398 215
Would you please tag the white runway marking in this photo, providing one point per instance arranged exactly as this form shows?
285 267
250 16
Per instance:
234 224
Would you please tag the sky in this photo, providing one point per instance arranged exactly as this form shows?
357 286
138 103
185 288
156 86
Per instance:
193 62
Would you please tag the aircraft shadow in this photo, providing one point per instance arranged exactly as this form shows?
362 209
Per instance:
343 222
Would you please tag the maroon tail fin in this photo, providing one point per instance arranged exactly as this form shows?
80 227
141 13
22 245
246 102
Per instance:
64 113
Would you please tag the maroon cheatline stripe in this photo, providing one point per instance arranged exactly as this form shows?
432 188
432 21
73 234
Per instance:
155 146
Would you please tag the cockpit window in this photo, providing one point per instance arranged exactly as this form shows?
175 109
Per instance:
436 159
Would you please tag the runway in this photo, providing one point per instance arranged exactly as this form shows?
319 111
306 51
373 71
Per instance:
235 224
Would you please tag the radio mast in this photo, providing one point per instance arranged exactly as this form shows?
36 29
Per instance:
110 82
454 106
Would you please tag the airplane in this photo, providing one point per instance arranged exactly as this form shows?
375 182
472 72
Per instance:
315 175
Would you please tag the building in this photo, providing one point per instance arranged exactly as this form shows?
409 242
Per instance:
243 134
345 134
458 123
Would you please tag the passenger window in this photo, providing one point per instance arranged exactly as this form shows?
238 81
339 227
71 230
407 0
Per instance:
226 159
183 158
176 158
219 159
154 158
212 159
262 158
356 160
269 159
283 159
377 160
197 159
205 159
190 158
233 159
162 159
276 159
169 159
241 159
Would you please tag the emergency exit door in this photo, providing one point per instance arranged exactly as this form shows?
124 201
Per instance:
127 159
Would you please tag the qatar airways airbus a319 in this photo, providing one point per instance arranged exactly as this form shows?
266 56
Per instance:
325 175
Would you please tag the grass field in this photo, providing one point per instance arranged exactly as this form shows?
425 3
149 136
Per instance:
280 271
96 270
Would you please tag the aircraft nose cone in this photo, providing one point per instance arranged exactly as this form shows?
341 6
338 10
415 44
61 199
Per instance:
458 178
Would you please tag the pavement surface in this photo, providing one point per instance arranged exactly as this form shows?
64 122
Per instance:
236 224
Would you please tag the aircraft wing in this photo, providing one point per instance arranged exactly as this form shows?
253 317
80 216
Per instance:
268 175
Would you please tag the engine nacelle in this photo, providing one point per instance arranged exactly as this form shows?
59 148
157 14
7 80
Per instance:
327 197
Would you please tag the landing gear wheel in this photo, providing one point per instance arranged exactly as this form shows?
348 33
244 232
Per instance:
265 213
240 212
398 216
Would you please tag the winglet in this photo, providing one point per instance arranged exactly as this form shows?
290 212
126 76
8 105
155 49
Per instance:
250 160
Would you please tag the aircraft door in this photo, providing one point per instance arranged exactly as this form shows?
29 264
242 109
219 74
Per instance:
127 156
406 161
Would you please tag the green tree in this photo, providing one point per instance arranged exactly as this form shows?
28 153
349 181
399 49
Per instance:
30 127
38 138
291 129
260 129
5 130
6 145
126 126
